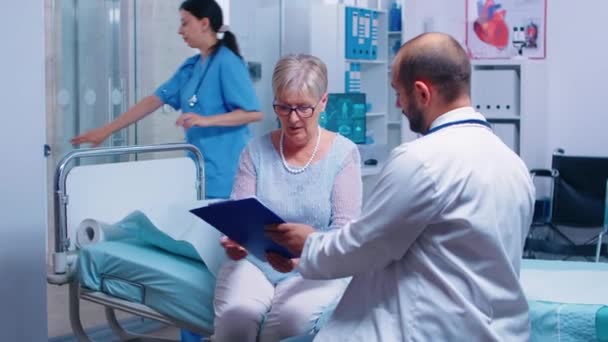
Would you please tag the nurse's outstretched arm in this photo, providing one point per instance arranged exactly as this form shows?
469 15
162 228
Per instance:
402 204
97 135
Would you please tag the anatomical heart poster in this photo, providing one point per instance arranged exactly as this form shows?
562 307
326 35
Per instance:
506 28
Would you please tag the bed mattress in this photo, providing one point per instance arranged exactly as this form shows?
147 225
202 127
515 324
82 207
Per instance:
567 299
176 286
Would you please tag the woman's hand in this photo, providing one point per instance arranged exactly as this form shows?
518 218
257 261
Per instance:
280 263
188 120
290 235
234 251
94 137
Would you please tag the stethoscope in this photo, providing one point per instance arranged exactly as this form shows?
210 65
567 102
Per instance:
194 99
460 122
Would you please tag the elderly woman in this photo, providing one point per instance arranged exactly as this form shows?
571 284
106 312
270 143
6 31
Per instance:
305 174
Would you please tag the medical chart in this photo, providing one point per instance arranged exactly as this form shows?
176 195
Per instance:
506 28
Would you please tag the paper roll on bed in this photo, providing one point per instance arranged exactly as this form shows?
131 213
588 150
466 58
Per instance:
171 227
91 231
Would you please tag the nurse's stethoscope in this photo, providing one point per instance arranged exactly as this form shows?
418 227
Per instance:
460 122
194 99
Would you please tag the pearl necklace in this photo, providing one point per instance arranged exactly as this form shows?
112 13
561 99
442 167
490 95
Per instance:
302 169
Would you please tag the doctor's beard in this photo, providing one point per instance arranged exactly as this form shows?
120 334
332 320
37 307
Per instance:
415 116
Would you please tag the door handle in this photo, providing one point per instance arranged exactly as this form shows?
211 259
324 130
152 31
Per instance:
46 150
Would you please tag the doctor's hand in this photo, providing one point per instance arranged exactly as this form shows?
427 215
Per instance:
290 235
188 120
281 263
234 251
94 137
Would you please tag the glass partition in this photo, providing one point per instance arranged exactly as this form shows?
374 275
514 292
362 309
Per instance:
105 55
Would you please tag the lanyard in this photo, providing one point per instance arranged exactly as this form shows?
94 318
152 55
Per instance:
194 99
461 122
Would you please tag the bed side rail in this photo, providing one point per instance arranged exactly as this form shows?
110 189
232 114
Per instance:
62 243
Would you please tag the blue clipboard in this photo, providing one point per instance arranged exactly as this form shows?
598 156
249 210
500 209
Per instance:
243 221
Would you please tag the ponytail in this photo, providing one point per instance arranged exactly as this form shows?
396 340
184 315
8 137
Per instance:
229 40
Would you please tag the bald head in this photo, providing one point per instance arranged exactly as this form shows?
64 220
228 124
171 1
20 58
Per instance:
438 59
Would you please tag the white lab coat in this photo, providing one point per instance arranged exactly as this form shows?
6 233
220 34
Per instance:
435 255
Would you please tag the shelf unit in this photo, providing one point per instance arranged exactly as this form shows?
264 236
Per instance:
367 171
395 122
495 92
511 95
365 61
384 121
329 44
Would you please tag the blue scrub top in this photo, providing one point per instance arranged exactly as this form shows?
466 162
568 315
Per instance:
225 87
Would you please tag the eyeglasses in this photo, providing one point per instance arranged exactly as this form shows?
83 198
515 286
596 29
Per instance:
301 111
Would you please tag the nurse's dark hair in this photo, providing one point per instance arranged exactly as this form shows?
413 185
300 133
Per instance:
211 10
438 59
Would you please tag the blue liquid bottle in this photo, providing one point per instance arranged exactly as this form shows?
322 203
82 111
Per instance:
394 19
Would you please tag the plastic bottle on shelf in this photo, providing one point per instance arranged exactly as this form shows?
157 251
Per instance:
394 20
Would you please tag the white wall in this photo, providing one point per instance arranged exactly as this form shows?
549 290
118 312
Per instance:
256 24
436 15
575 66
22 185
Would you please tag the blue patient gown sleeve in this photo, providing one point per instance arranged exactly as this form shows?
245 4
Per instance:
237 87
170 91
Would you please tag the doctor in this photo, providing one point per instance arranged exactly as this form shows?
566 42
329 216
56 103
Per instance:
435 255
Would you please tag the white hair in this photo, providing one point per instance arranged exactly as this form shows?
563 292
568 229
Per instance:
300 74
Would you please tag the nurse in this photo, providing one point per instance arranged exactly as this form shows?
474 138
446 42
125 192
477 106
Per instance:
212 89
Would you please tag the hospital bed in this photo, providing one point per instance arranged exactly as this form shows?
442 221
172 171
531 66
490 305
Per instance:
567 301
129 275
566 298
